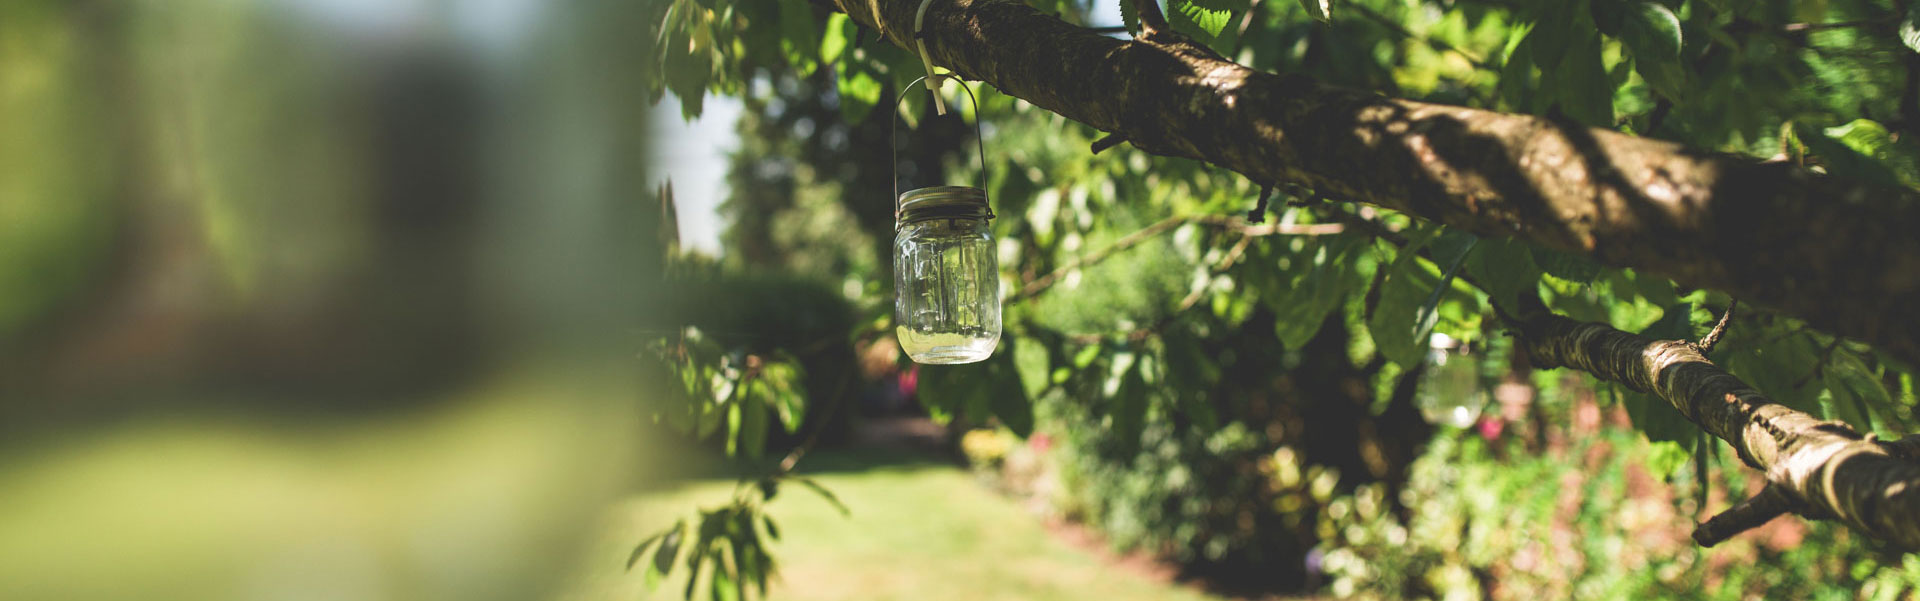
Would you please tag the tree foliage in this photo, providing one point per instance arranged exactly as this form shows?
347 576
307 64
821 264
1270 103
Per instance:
1176 330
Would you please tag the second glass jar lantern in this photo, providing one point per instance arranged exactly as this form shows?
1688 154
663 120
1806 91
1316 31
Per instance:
946 274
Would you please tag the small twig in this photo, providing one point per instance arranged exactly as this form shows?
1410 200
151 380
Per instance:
1047 281
1371 227
813 438
1400 30
1746 515
1802 27
1107 141
1192 299
1153 23
1042 283
1246 20
1712 338
1259 212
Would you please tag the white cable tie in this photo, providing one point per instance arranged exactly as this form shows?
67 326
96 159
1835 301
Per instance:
934 80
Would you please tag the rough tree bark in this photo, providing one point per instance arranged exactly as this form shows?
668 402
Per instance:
1815 468
1834 252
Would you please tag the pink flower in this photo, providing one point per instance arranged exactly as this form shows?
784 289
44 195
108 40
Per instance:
1490 427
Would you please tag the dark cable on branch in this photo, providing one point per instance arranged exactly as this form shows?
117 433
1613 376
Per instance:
1107 141
1743 516
1719 329
1259 212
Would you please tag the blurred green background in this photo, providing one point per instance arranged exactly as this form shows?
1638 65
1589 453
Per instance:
317 299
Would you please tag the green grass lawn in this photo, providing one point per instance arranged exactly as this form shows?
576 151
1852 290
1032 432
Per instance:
920 530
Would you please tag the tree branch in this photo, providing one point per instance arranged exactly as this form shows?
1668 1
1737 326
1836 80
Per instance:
1819 469
1153 23
1743 516
1712 338
1772 234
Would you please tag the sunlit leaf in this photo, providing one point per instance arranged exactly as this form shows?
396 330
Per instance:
1652 33
1843 160
1203 20
839 36
859 91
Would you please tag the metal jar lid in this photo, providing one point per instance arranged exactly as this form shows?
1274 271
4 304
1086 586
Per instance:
942 202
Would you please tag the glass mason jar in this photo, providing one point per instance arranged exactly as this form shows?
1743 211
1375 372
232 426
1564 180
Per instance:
946 276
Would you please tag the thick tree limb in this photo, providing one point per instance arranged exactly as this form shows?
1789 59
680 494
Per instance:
1818 469
1838 253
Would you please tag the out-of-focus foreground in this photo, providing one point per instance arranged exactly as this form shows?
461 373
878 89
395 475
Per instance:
316 299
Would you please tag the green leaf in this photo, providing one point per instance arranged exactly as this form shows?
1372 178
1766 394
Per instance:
641 549
1652 34
1429 314
1129 16
1676 323
1584 91
772 530
1843 160
1516 75
1199 17
1505 269
1569 267
1856 392
1652 30
1553 32
1403 319
1666 457
1776 361
799 36
1127 399
859 91
1659 421
781 381
733 426
839 37
1910 27
722 587
664 556
753 420
825 494
989 388
1085 356
1009 399
1031 361
1316 280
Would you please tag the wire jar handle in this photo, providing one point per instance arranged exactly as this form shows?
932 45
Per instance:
894 123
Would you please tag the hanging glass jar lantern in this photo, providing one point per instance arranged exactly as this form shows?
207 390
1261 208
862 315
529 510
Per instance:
945 273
